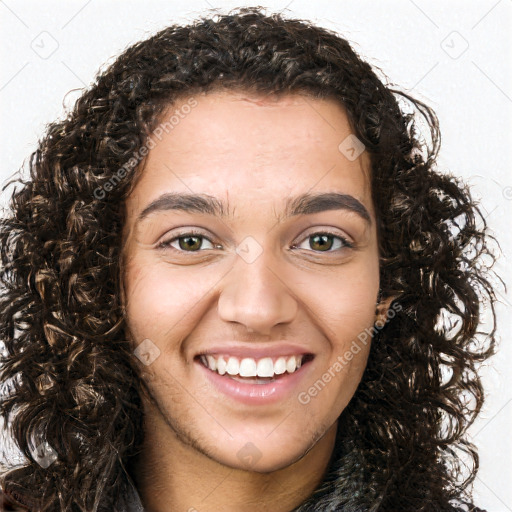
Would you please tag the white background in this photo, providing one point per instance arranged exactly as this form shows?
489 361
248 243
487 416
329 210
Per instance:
456 56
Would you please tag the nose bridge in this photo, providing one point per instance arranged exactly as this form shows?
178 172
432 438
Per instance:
254 294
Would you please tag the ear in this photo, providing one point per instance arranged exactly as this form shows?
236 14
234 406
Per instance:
382 309
122 293
122 277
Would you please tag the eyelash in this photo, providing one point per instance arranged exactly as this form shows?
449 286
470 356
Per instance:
345 243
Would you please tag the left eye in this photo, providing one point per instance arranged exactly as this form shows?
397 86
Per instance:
325 242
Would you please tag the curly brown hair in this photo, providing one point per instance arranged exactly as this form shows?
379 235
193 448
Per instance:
401 442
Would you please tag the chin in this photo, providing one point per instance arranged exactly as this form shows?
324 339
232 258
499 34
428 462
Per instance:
266 453
254 460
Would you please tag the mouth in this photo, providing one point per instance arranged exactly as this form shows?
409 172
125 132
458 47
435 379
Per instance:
255 380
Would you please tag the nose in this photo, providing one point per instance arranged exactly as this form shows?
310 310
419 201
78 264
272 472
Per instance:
256 296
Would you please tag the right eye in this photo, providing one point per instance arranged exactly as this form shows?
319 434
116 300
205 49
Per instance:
189 241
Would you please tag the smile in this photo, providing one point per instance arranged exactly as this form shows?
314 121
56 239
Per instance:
250 367
255 380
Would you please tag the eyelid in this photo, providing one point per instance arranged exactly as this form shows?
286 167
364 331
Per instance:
166 242
347 243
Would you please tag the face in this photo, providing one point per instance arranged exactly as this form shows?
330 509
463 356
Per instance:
247 301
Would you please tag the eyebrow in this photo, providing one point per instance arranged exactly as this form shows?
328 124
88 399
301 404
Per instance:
304 204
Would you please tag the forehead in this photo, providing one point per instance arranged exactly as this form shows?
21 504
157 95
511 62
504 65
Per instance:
240 146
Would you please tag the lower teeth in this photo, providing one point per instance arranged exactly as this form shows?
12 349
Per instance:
253 380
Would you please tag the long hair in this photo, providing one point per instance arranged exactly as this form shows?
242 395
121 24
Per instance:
74 383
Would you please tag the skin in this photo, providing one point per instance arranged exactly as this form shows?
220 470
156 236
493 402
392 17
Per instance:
254 153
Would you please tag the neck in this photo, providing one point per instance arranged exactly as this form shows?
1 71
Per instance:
191 481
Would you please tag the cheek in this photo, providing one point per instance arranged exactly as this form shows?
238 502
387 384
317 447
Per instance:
345 300
158 299
343 307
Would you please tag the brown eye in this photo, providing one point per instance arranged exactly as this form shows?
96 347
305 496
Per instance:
326 242
321 242
187 242
190 243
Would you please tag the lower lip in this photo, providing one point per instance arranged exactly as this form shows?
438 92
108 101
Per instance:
253 394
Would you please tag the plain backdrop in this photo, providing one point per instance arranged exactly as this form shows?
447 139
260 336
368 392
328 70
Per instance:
456 56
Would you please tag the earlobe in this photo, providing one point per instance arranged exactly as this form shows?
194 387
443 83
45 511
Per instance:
122 278
122 296
382 309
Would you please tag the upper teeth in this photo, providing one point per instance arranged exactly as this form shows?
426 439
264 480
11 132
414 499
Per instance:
249 367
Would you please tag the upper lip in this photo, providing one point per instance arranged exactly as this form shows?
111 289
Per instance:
254 351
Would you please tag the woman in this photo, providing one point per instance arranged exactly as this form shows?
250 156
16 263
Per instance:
236 281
